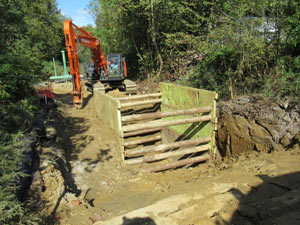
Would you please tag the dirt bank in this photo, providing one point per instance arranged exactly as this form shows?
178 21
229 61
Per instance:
100 189
255 123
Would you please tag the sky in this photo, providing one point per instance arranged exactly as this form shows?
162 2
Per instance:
77 10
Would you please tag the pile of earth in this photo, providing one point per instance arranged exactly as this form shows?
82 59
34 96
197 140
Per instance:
255 123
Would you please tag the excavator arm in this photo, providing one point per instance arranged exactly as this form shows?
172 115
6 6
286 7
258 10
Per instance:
86 39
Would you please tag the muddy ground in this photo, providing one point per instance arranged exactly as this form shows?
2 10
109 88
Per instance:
256 188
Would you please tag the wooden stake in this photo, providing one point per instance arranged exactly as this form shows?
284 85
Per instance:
141 132
167 154
156 115
142 140
163 147
179 163
136 97
145 102
160 124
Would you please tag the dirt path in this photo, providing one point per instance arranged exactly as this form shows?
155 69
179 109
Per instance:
253 190
233 192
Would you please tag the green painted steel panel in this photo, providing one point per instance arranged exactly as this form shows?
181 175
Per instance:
176 97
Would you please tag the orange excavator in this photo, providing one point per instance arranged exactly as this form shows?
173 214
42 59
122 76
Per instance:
103 73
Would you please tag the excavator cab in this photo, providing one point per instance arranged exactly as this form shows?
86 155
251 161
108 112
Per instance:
115 70
115 77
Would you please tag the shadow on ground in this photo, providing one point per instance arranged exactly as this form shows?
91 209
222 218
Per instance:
138 221
87 100
275 201
69 127
73 138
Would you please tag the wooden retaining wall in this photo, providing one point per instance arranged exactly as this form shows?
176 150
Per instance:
133 136
175 97
173 128
108 109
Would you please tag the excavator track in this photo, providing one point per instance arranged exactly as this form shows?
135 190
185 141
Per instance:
130 87
100 87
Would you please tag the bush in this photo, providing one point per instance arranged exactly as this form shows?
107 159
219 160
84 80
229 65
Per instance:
15 119
11 210
285 79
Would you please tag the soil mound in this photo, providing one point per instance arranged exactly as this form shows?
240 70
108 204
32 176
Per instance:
256 123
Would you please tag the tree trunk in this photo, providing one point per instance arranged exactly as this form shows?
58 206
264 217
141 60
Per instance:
153 31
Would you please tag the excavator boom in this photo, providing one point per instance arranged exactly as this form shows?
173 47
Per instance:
86 39
72 49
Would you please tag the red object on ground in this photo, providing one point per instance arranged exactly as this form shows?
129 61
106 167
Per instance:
45 92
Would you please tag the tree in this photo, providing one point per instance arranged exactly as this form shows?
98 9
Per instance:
30 33
233 47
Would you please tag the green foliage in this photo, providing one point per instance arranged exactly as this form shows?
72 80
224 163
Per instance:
285 80
125 26
31 34
15 117
246 52
11 211
290 22
235 52
48 68
233 47
9 208
18 116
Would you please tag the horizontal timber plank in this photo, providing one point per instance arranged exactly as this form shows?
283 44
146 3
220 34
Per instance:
156 115
136 97
167 154
142 140
164 147
179 163
145 102
134 133
155 124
